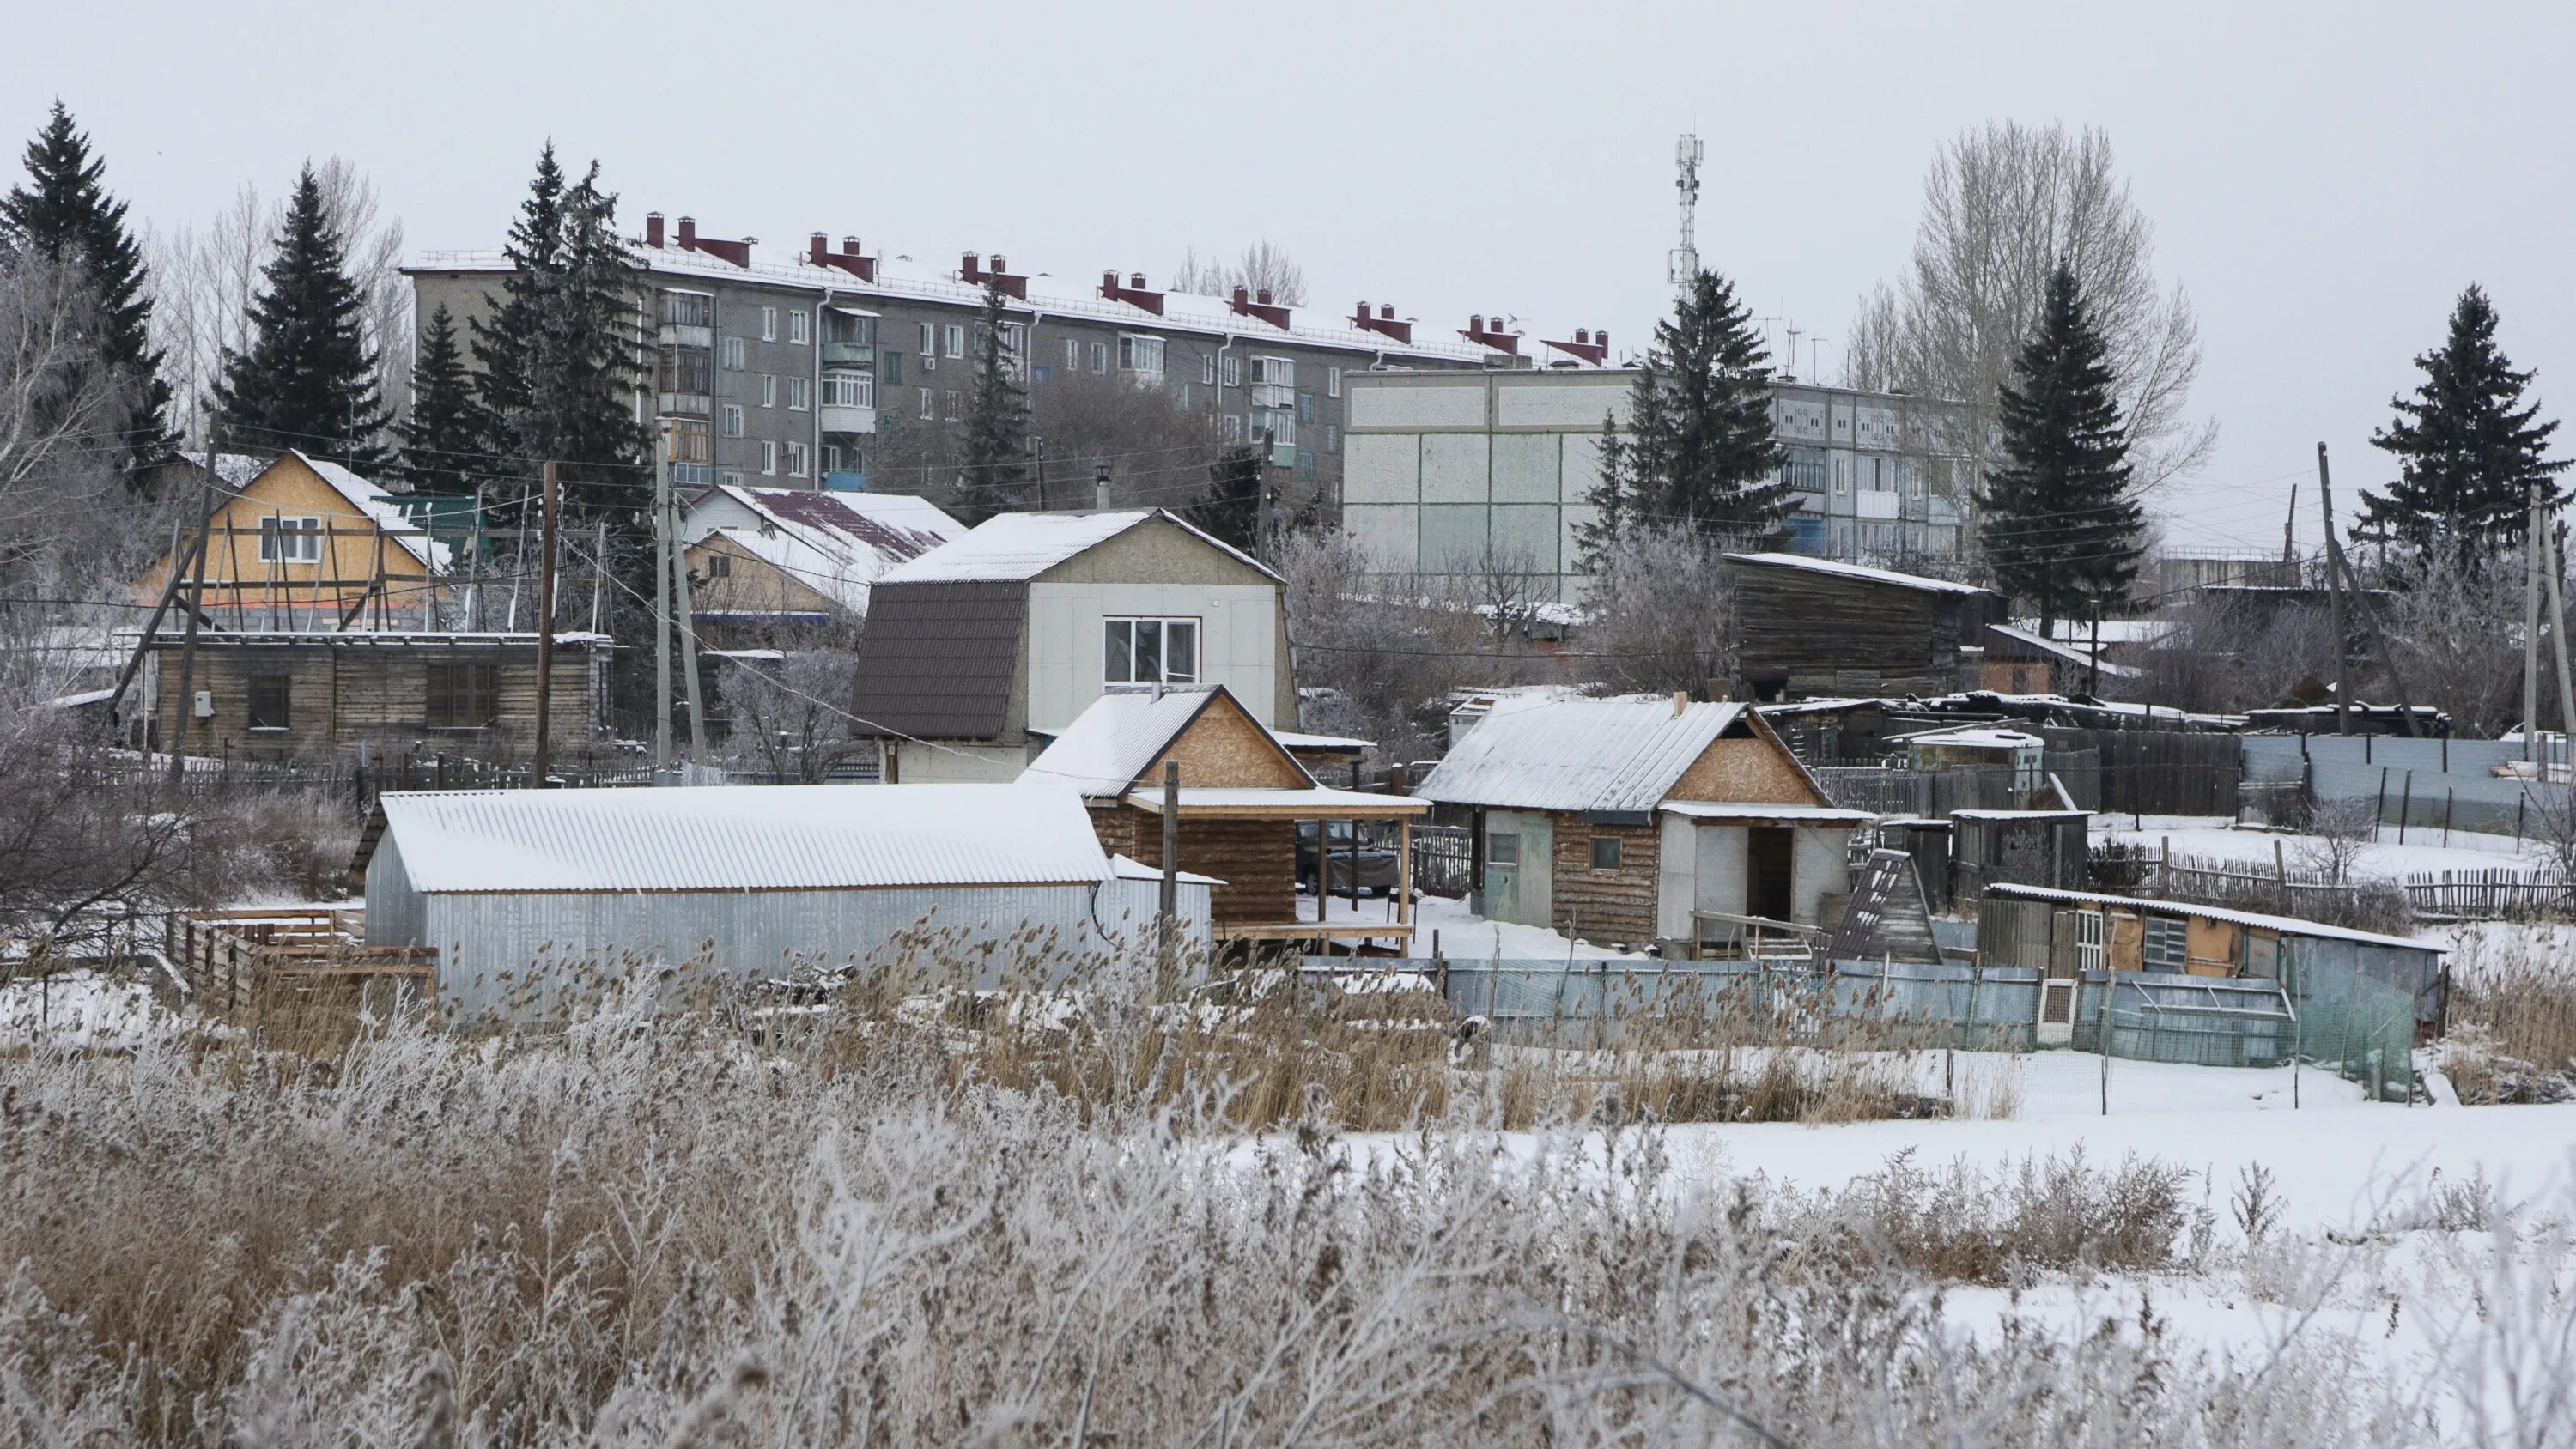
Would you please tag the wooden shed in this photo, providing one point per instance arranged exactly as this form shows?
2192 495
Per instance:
1810 626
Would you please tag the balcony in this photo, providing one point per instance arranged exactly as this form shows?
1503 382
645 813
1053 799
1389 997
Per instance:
844 480
1283 455
682 334
684 404
849 354
1273 395
841 418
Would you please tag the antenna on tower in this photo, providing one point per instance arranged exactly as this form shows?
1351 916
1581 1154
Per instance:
1683 264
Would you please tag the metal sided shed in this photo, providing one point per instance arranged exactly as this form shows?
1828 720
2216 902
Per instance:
526 894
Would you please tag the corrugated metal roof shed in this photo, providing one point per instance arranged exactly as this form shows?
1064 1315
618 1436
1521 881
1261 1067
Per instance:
1017 547
741 838
1582 754
2288 925
936 660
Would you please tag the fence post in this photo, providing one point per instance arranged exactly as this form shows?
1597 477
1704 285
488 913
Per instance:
2405 805
2450 797
2379 807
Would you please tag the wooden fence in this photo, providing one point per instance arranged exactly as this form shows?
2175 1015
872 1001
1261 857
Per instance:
2311 894
347 779
254 964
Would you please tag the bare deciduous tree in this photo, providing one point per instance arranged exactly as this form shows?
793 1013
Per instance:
1374 651
2001 206
785 716
1262 266
2454 636
1660 614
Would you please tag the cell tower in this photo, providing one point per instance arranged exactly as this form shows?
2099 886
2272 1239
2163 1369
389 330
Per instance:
1683 264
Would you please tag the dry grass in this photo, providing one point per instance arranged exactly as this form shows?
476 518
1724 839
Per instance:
2512 1018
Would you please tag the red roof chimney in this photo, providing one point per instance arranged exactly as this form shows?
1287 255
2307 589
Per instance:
970 271
1242 298
1137 281
1386 313
1247 304
1582 336
1133 294
847 258
818 249
1384 323
1001 263
652 228
1262 296
688 233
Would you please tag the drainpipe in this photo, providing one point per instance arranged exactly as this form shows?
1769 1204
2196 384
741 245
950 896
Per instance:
1221 349
815 339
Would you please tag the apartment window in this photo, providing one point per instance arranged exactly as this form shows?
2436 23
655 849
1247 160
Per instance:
831 458
1605 852
955 340
1332 438
849 390
768 324
268 701
800 393
688 309
290 540
1150 651
1332 382
1233 370
1100 357
1042 373
461 696
929 350
952 404
769 389
732 478
1185 395
1275 371
693 452
798 325
1140 355
1305 407
1207 369
1278 423
733 420
688 369
929 405
768 457
1232 428
799 459
733 354
1306 463
1073 354
1503 848
890 362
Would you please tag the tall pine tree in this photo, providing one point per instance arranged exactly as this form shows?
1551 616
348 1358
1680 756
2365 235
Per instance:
448 438
309 378
2468 452
1700 445
1230 509
63 214
996 469
2062 523
561 355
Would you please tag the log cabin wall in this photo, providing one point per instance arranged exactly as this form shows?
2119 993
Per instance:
1812 632
1257 860
1604 905
341 696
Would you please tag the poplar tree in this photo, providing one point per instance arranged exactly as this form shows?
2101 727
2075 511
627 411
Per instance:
2468 451
448 438
308 380
995 476
63 213
1700 447
2061 524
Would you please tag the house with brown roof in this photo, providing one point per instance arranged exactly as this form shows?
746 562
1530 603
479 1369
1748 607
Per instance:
980 650
1241 796
779 566
1638 820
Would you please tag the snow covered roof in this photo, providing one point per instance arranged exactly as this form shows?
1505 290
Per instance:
1303 804
1857 571
2289 924
1111 744
1748 810
1973 737
1578 754
1127 868
1017 547
2114 631
836 543
2080 657
741 838
1320 744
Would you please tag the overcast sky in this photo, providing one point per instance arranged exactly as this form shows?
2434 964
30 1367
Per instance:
2323 178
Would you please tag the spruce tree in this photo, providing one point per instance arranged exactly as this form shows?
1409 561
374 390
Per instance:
996 471
2061 524
447 440
560 356
63 214
1701 449
309 378
1230 509
1613 501
2468 452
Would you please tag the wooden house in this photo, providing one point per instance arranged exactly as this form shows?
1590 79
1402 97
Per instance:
983 647
1242 796
2066 934
1811 626
2020 660
1638 819
776 566
298 542
276 694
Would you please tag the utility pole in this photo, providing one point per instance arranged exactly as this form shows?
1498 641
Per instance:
688 641
2531 546
2290 529
196 599
662 601
2557 615
546 633
1170 896
2334 600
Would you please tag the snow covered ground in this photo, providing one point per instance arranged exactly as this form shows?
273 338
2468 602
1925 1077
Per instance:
1465 936
2214 837
78 1009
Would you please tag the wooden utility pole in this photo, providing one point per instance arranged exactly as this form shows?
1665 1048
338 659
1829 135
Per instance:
2531 547
2557 615
2290 529
183 554
2334 601
546 633
688 641
1169 899
196 601
662 601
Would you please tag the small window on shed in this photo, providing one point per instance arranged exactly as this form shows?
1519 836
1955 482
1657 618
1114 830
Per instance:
2168 944
268 701
1605 852
1503 848
460 696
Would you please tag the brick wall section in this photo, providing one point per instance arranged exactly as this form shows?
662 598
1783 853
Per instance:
1606 905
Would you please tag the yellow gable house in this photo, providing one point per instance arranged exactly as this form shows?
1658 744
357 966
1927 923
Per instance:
301 543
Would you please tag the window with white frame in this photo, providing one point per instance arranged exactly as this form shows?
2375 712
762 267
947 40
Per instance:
2088 940
769 389
733 420
732 354
831 458
1279 423
1140 355
849 390
929 350
1149 651
1100 357
732 477
768 324
1332 382
1233 370
1073 354
689 309
290 540
798 458
954 341
1207 369
1277 371
929 405
1332 438
768 456
952 404
800 394
1232 427
799 324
